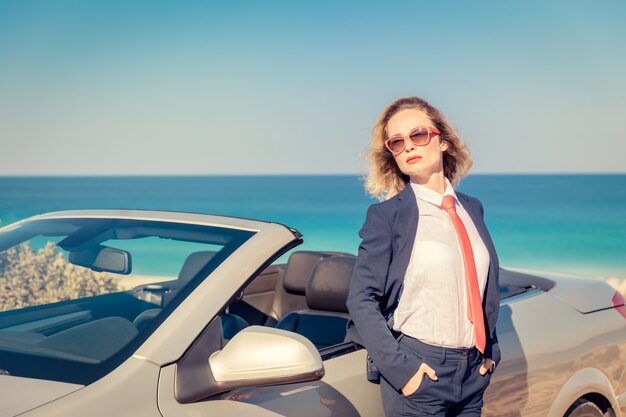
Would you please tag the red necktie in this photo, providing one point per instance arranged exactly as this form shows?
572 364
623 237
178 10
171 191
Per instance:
474 302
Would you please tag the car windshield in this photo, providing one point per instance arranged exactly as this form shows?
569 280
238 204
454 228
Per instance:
79 295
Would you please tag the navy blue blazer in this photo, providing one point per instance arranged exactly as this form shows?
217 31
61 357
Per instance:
388 236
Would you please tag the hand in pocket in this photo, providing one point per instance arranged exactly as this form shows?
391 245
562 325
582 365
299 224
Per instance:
488 365
416 380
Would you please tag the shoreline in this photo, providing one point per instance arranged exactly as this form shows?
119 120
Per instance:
128 282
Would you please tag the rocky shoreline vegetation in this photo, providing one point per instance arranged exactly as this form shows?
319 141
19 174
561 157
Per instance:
31 277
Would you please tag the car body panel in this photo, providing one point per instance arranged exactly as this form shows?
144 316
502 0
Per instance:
130 390
584 294
23 394
537 362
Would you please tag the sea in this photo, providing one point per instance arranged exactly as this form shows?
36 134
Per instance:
569 223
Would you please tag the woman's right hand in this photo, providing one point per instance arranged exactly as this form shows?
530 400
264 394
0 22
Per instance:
414 383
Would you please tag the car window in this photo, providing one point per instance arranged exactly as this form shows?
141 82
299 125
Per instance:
80 295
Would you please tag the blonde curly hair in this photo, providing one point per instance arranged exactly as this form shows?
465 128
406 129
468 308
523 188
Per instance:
384 178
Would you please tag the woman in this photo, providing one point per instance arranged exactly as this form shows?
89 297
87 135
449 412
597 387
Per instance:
424 294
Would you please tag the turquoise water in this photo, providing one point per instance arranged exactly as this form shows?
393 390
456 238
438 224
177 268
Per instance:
569 223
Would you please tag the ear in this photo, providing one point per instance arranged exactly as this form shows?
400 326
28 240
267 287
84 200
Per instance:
444 145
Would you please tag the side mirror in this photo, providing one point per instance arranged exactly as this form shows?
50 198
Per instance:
258 356
266 356
103 259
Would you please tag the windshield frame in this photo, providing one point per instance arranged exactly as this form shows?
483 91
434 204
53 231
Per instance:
63 370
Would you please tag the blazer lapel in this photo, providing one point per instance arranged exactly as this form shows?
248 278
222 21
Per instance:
408 216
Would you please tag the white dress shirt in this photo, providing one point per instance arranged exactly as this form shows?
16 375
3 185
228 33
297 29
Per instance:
433 304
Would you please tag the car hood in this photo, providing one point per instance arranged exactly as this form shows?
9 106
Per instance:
18 395
583 294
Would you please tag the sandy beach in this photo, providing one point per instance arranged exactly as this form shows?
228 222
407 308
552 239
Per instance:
618 283
128 282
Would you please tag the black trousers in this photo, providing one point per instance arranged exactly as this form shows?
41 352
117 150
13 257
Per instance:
457 392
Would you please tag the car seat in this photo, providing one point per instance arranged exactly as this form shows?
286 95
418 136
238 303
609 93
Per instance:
289 294
324 321
231 323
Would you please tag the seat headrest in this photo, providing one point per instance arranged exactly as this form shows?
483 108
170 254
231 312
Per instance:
193 264
299 268
329 283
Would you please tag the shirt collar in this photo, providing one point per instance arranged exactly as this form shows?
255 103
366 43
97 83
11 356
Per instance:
424 193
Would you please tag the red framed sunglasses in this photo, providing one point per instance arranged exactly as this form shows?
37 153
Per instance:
420 136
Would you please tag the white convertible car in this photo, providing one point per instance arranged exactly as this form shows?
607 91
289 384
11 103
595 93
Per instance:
148 313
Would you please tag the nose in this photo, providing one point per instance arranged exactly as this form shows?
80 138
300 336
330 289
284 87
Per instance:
408 145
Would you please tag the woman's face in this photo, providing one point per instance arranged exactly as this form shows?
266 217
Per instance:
418 162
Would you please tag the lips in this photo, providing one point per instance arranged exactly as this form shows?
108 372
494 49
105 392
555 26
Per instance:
413 159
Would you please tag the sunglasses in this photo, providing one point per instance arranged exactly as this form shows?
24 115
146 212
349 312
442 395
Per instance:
420 136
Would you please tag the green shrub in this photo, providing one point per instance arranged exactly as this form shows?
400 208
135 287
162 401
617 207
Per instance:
29 277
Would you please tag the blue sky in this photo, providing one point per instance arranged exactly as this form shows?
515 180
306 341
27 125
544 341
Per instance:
284 87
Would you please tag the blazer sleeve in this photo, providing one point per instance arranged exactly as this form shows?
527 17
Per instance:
492 306
366 292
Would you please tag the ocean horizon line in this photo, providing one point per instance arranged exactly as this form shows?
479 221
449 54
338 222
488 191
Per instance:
278 175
